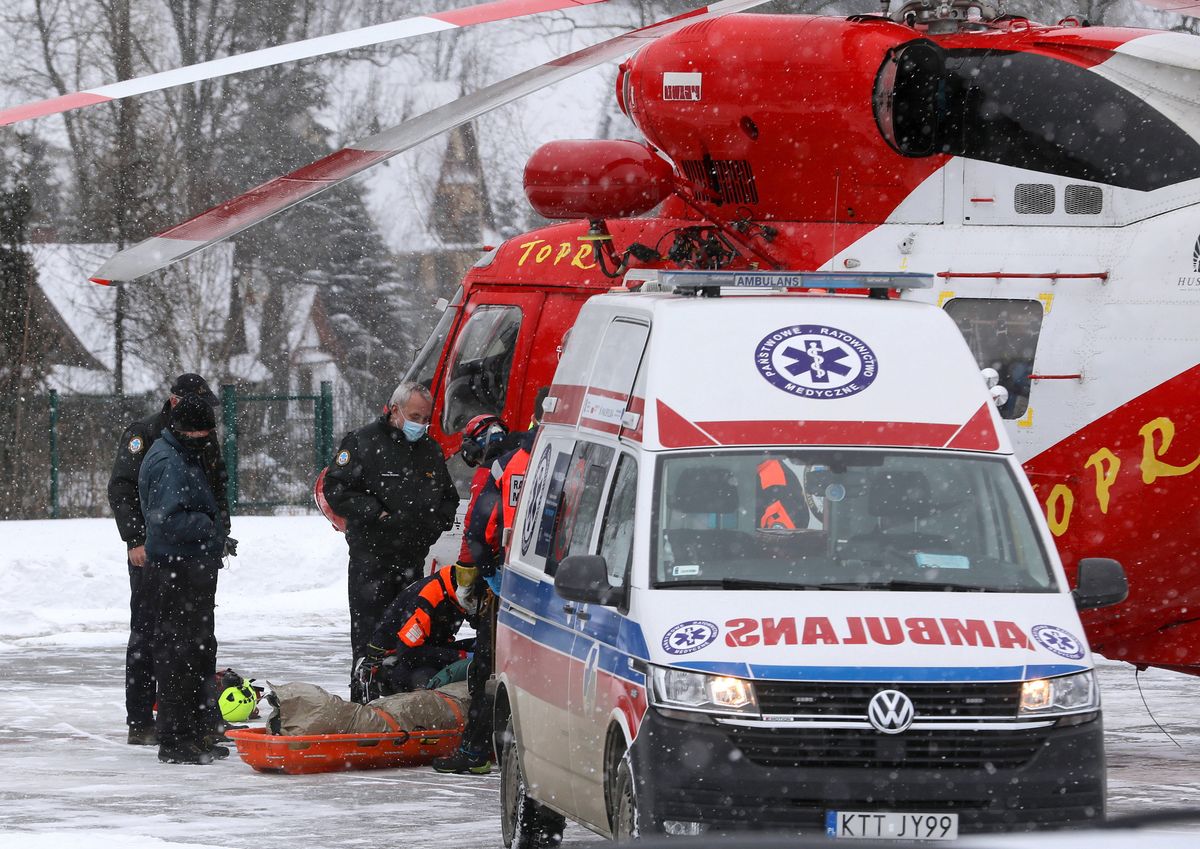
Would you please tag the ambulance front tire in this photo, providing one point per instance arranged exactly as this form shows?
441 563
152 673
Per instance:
525 823
626 817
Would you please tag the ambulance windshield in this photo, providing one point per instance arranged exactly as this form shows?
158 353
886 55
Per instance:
845 520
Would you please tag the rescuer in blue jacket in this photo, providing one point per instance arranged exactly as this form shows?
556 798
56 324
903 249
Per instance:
185 538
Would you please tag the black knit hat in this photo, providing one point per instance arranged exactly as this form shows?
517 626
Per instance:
192 413
193 384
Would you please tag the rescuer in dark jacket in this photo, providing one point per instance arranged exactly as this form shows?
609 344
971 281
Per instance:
389 479
127 509
415 637
185 538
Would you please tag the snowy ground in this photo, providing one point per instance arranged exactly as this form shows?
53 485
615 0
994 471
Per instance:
67 778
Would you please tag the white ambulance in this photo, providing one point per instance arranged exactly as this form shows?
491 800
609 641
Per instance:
774 566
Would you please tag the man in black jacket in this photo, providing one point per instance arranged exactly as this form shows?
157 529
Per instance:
185 538
389 479
127 509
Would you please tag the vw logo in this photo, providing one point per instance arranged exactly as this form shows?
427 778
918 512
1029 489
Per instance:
890 711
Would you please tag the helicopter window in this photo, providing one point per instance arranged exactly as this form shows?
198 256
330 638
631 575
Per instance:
1028 111
477 379
424 367
1003 335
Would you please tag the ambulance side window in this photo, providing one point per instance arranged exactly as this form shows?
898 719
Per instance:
619 356
616 536
1002 334
580 502
477 376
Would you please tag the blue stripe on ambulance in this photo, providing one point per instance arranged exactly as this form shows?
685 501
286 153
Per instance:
620 639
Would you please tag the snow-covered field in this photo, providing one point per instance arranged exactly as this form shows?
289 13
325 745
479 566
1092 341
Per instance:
67 778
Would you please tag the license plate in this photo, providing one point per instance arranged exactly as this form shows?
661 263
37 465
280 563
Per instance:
872 825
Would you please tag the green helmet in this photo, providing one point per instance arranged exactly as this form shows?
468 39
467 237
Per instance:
237 703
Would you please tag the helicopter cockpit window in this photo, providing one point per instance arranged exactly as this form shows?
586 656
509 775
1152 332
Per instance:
424 367
477 378
1028 111
1003 335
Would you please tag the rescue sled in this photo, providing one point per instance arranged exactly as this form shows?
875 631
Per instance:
306 754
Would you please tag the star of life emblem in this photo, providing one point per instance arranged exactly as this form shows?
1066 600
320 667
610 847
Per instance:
1058 640
815 361
687 637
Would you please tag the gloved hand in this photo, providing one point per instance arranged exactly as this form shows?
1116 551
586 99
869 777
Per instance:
493 582
231 545
377 657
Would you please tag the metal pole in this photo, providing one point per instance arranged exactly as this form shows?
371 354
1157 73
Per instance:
53 453
327 423
318 432
229 417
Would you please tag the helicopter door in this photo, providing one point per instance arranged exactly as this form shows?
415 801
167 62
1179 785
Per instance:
487 357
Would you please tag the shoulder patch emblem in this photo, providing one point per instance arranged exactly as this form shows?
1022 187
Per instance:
343 458
135 445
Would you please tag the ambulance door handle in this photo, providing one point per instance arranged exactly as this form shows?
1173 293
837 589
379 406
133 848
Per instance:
581 615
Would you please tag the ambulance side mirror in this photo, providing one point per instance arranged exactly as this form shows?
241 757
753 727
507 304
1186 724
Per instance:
584 578
1100 582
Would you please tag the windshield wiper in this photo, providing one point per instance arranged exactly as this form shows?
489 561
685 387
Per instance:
750 584
920 586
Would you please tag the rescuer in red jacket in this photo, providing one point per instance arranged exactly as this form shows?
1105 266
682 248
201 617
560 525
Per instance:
491 512
417 635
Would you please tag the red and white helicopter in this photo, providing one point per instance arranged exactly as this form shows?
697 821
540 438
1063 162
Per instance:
1048 177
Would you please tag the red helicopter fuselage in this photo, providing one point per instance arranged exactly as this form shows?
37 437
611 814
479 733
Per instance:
1048 177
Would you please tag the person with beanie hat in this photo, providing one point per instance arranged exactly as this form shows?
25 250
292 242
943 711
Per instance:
185 539
123 498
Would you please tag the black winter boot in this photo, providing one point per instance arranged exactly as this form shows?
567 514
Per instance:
464 761
185 752
142 735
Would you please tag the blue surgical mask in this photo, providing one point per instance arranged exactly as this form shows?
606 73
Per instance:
413 431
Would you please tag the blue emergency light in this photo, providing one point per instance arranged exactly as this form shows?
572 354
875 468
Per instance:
831 280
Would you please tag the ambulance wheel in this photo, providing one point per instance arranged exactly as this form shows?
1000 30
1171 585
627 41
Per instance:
626 818
525 823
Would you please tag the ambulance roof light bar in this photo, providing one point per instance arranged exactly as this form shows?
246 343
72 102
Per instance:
712 282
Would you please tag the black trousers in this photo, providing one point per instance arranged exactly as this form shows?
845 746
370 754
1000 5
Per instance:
374 582
477 735
415 666
185 647
139 653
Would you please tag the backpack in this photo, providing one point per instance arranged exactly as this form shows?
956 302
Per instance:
338 521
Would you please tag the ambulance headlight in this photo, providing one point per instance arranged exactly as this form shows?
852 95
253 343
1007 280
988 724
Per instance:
682 689
1066 694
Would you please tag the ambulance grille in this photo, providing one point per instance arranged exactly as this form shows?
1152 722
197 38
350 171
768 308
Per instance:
731 179
819 698
1034 199
848 747
1083 200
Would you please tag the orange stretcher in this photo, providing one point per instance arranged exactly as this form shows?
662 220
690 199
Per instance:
307 754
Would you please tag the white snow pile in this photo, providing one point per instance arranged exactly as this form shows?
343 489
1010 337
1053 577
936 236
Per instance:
66 581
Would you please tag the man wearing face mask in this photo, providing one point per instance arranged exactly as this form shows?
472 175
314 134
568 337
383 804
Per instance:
389 480
127 510
185 539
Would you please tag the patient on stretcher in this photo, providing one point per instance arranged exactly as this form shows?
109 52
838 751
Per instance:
306 709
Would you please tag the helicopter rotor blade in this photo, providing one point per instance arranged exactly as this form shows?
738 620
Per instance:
276 195
1190 8
394 30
